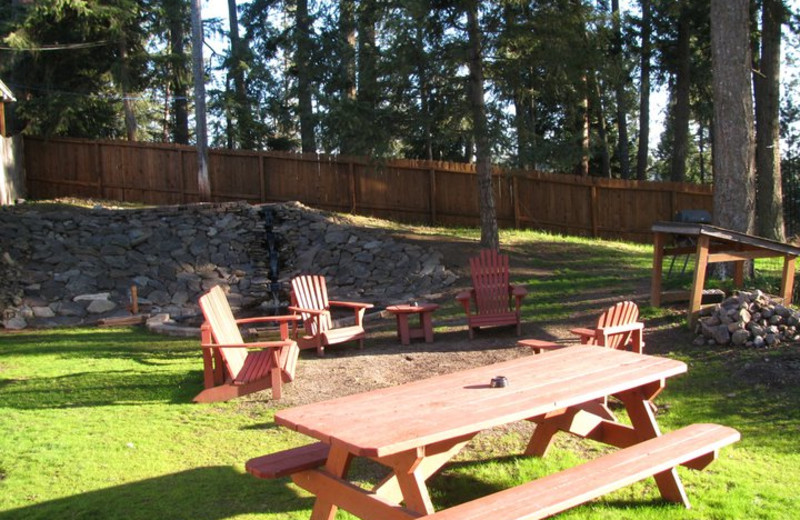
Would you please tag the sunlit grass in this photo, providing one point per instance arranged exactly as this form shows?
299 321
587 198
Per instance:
98 423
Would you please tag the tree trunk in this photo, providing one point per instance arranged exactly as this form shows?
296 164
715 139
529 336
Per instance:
643 151
622 106
179 83
490 236
201 130
244 131
769 199
125 83
681 110
602 132
424 92
367 73
347 71
582 130
302 65
734 143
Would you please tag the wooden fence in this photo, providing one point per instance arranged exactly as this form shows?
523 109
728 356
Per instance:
409 191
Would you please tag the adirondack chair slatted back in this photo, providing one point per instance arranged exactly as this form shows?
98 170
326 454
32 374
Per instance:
219 317
311 292
490 280
623 313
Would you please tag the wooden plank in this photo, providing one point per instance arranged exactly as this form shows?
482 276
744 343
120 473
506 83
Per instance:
569 488
286 462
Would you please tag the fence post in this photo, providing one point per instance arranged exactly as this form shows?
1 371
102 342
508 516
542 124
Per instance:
595 210
182 174
515 199
432 195
351 170
99 172
262 181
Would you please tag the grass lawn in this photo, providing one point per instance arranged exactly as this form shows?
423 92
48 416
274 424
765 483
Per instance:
98 423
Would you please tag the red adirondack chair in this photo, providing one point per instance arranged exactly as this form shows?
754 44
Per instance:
309 298
229 368
617 328
496 302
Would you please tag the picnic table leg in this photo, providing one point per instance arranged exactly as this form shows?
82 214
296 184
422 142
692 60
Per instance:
638 404
546 427
578 420
338 463
436 456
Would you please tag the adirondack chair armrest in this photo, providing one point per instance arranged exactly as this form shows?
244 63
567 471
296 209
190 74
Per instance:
358 308
255 344
619 329
584 333
267 319
636 339
353 305
517 291
465 297
315 312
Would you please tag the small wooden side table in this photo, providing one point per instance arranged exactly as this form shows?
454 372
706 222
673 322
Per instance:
425 330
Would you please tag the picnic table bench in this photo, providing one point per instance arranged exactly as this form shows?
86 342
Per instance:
416 428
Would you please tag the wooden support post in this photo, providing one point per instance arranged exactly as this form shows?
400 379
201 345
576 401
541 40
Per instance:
659 240
787 282
701 264
738 274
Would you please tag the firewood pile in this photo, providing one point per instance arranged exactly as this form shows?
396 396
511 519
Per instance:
748 319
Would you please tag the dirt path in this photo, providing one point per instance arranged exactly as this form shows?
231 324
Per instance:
384 362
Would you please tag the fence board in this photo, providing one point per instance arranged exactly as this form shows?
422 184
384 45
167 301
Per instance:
404 190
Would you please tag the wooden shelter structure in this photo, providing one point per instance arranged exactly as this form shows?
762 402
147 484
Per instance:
712 244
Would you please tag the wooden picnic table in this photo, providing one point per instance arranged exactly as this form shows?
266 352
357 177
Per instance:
415 428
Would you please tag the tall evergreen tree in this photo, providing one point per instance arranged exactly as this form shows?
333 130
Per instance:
643 147
769 199
490 237
734 144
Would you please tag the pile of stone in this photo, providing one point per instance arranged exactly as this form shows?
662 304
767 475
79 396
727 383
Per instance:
67 266
748 319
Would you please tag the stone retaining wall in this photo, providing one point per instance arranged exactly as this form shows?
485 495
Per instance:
66 266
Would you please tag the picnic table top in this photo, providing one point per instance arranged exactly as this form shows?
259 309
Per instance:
392 420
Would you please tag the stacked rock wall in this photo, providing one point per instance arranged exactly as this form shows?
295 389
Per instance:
65 265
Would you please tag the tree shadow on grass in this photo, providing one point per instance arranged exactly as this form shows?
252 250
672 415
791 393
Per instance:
213 492
141 368
102 388
452 488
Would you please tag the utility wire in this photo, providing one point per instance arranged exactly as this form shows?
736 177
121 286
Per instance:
56 47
